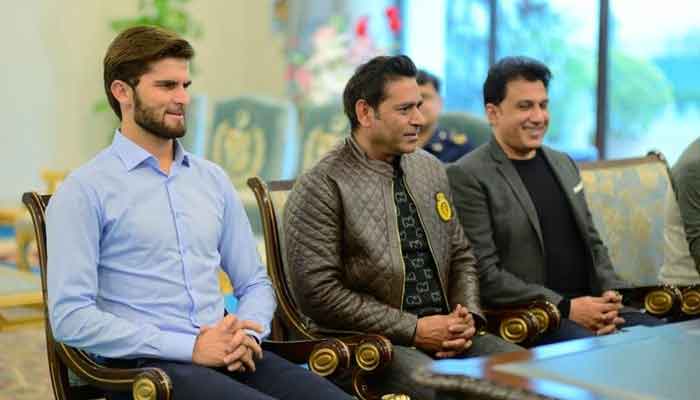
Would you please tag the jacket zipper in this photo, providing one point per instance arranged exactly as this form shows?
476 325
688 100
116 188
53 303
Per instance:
430 247
398 235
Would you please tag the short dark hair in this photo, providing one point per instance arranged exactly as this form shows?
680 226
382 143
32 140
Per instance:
424 78
369 81
132 52
509 69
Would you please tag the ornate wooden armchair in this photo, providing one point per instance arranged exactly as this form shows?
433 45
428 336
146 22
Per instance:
358 354
523 324
144 383
322 127
627 199
254 136
74 375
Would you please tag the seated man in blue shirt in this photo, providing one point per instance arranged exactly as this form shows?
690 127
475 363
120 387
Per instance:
135 238
441 142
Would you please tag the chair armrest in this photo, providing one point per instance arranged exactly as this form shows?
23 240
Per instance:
326 356
145 383
362 355
515 325
665 301
659 300
547 314
523 324
691 301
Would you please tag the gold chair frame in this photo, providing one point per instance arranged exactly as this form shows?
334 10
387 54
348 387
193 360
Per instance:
663 301
523 324
144 383
370 352
325 356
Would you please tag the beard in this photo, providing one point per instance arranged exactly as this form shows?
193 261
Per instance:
148 119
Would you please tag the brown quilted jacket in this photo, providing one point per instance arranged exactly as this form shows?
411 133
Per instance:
342 246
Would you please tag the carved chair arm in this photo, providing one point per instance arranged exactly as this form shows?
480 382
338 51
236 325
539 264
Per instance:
523 324
675 302
362 355
691 301
144 383
660 301
327 356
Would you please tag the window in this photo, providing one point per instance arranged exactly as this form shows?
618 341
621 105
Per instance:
563 35
654 100
652 93
468 46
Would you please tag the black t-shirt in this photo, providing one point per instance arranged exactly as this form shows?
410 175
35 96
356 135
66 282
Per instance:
568 263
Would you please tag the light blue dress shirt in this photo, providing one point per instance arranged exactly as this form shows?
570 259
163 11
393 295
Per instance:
133 254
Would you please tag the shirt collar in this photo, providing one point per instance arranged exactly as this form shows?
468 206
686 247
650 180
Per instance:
182 156
132 154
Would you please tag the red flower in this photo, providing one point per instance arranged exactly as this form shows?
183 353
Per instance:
361 26
392 13
289 74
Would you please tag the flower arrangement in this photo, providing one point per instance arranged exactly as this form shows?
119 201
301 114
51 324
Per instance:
319 75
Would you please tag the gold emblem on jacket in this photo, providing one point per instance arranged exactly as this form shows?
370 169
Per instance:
443 207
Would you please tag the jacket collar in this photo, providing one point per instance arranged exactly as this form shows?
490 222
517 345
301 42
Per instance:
506 168
380 167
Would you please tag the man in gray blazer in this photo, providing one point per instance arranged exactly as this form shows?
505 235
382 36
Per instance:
523 208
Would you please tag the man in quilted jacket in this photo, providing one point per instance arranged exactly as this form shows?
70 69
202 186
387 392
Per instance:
373 243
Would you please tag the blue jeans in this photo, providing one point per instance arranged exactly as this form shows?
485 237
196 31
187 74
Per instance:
274 378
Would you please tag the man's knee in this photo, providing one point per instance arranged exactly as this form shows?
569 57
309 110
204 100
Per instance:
486 344
568 330
396 378
280 376
633 318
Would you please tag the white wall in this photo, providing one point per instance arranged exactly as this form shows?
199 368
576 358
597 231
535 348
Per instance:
51 76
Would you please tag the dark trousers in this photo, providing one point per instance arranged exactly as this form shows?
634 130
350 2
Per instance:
274 378
396 378
569 330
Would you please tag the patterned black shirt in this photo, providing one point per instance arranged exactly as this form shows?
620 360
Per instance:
422 294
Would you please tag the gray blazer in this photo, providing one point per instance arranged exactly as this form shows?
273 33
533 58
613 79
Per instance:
500 220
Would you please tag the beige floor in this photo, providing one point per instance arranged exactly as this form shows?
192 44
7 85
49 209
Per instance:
24 372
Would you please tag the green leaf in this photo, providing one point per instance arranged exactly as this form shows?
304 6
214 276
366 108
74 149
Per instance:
101 106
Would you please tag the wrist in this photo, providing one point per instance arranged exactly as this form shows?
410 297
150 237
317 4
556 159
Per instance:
195 353
564 307
415 333
418 338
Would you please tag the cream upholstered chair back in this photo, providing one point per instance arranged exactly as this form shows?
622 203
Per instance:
627 199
